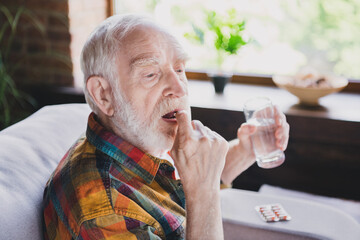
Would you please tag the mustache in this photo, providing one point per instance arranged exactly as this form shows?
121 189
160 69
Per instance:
168 105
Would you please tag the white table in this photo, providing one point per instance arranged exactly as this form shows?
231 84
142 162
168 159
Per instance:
310 220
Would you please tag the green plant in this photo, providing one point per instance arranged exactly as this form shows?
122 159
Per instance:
10 95
226 33
16 104
327 32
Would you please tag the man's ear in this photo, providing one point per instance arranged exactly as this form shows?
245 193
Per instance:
100 90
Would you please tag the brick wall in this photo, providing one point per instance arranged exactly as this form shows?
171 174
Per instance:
44 57
52 57
45 51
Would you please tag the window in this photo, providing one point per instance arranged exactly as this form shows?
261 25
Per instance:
283 35
84 17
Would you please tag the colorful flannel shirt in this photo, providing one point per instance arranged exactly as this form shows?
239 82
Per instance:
105 188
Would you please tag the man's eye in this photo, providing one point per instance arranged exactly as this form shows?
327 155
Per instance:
150 75
179 70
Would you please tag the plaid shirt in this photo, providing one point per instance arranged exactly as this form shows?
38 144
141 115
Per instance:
105 188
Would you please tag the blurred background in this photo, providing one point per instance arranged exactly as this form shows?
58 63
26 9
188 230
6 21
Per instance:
282 35
41 40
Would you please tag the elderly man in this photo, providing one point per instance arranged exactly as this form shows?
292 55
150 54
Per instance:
120 180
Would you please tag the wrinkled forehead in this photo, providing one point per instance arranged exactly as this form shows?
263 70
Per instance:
147 40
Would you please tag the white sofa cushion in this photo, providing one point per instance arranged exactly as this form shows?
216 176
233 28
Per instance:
29 152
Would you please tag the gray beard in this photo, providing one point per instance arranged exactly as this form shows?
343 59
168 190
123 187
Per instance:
145 135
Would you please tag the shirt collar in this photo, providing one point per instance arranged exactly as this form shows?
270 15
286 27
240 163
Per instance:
143 165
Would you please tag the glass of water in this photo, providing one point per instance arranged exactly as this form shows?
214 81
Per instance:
259 111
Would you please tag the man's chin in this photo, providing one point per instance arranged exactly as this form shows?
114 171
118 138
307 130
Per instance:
159 142
158 149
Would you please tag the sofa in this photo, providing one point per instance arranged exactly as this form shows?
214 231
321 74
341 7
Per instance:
29 152
31 149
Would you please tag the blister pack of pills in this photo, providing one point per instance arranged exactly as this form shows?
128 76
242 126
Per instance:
272 213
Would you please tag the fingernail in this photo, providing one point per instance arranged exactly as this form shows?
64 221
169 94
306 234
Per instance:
179 112
252 128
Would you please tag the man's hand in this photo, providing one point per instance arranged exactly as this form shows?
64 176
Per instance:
198 153
199 156
241 155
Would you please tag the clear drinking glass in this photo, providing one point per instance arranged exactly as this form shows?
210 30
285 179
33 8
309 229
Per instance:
259 111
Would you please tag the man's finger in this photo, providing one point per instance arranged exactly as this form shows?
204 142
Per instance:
184 124
280 118
199 128
246 130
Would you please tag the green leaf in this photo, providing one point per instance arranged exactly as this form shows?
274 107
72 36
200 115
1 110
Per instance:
227 30
7 14
10 95
15 21
199 33
235 42
2 31
196 36
36 23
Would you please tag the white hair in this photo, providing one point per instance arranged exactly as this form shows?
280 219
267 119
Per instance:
98 57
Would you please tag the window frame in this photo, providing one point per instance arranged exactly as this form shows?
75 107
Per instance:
259 79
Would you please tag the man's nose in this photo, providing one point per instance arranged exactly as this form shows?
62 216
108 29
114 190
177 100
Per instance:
175 86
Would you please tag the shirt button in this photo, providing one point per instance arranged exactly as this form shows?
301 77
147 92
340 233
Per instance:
179 184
